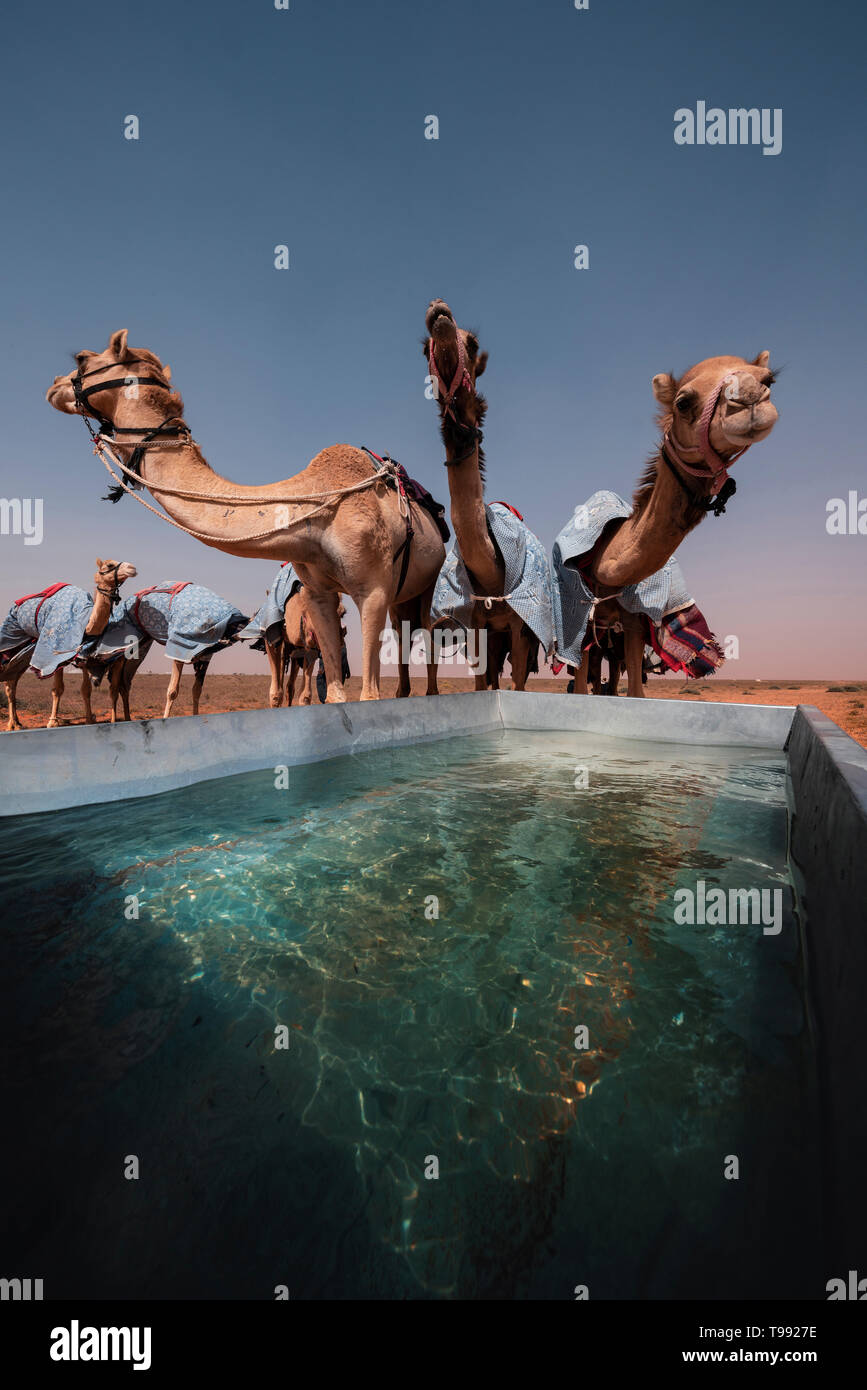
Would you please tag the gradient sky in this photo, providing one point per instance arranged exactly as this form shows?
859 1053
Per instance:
306 127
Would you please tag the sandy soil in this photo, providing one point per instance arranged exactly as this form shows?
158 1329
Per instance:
843 701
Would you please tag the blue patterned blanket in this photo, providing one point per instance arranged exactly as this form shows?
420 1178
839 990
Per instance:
528 588
186 623
270 615
661 593
58 628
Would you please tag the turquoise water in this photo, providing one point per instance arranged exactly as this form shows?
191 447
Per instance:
431 925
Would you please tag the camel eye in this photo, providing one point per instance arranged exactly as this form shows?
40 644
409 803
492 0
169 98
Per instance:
684 404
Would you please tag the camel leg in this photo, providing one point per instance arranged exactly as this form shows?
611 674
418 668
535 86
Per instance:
128 670
85 697
374 610
634 637
308 662
275 661
489 681
581 674
424 602
56 695
115 685
174 686
326 624
521 651
416 612
594 670
293 676
14 721
615 671
200 670
400 613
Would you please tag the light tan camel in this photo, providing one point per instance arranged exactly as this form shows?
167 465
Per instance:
107 581
296 651
708 418
343 526
455 360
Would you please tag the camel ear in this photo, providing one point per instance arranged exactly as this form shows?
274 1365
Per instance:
664 388
481 364
117 344
167 372
99 563
762 360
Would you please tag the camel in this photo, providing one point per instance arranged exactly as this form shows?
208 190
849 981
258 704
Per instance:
54 628
302 648
455 366
283 629
189 620
708 417
346 525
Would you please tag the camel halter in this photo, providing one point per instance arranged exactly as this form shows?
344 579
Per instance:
114 592
447 394
716 468
106 425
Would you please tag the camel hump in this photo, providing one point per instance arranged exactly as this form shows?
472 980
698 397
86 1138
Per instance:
337 466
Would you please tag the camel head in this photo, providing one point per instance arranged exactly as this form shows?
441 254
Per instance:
717 409
110 574
455 365
126 387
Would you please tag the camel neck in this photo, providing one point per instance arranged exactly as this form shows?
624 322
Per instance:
643 543
99 615
471 524
237 527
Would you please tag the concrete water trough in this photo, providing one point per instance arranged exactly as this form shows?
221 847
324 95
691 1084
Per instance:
53 770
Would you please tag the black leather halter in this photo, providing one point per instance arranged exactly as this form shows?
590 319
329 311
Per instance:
108 426
172 427
114 592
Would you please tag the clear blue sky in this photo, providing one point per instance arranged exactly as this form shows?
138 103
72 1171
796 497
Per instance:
306 127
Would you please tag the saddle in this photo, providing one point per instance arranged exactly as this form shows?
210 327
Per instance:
42 595
158 589
416 493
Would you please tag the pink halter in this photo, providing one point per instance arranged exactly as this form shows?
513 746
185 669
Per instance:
461 377
716 467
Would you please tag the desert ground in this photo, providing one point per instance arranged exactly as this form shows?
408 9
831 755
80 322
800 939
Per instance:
843 701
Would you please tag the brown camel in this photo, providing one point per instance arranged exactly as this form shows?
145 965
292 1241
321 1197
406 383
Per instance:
456 364
344 526
708 418
298 650
107 581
